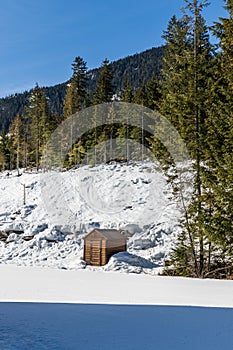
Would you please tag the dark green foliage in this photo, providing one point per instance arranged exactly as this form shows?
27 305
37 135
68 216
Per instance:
220 134
16 133
153 94
76 89
139 68
10 107
37 123
5 154
127 93
205 246
104 87
185 75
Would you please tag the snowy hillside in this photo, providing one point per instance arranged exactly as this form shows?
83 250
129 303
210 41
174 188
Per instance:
60 208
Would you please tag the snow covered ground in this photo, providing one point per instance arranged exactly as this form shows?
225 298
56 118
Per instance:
112 311
61 207
104 327
36 284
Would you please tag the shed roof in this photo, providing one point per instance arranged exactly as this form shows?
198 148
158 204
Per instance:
108 234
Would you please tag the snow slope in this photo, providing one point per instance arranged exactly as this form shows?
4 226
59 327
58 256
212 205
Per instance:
61 207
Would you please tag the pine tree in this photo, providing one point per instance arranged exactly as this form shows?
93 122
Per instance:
37 123
76 98
103 94
76 89
174 69
140 96
153 94
123 130
15 130
220 140
127 94
5 155
104 88
172 83
88 101
186 72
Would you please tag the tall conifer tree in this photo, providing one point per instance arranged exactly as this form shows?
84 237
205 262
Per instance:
103 94
185 74
76 98
16 134
76 89
37 121
220 139
104 88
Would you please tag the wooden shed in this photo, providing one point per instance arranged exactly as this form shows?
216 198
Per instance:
101 244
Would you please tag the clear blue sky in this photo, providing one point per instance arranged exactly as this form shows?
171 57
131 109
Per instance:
40 38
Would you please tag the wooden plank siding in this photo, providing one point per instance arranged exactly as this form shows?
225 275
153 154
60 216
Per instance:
100 245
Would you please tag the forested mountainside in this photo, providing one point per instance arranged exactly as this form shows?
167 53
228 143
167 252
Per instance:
137 68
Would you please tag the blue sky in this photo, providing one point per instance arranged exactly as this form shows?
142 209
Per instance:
40 38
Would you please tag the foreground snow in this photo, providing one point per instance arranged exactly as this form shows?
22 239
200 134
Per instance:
115 327
82 286
62 207
44 308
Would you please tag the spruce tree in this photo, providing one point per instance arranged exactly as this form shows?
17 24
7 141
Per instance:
103 94
186 71
123 130
76 98
153 93
127 93
15 130
220 141
5 154
37 123
104 88
140 95
76 89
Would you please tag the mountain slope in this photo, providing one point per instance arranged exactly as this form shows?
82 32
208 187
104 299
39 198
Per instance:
138 68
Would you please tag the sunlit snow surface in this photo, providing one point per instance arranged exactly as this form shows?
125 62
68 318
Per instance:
27 326
64 206
90 310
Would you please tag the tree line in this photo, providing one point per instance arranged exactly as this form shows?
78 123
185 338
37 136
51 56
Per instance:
23 145
139 68
195 93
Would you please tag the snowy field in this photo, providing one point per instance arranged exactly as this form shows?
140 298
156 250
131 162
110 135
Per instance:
115 327
90 310
35 284
61 207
